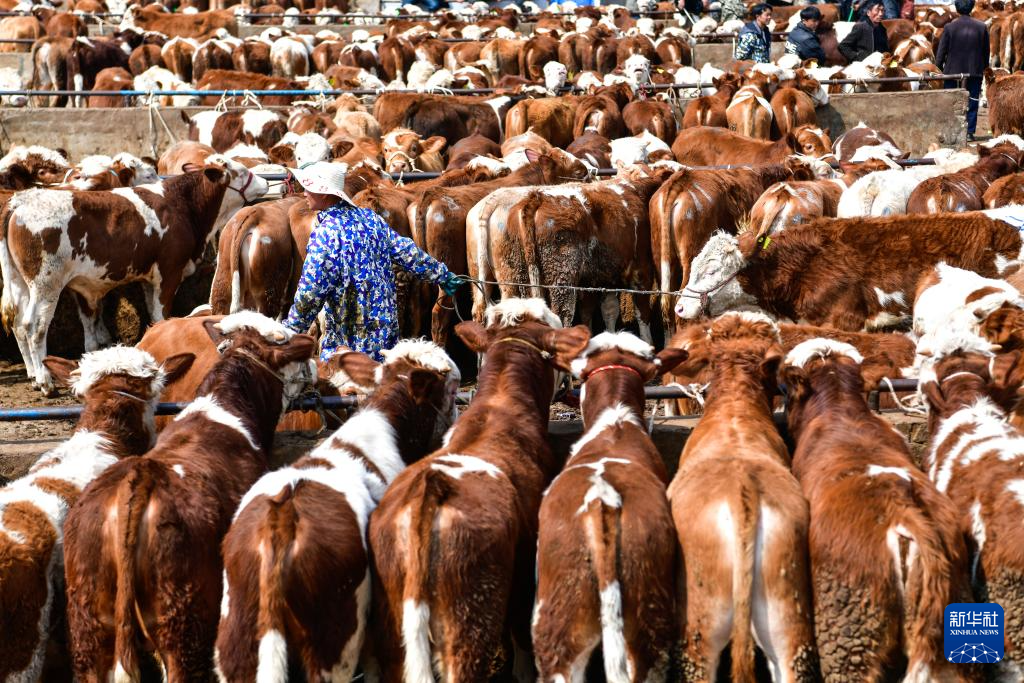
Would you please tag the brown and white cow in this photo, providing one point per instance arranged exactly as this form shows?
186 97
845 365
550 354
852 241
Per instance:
749 112
847 144
86 58
451 117
963 190
708 146
311 517
198 25
741 520
976 457
181 154
129 592
608 505
33 163
1004 94
93 242
222 130
884 604
405 151
119 387
1005 191
100 172
805 273
454 536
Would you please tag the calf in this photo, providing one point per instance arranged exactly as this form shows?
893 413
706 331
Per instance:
128 590
739 516
145 57
468 148
432 547
707 146
211 54
572 236
404 151
451 117
99 172
793 107
152 234
749 112
177 54
220 79
257 264
86 58
709 110
825 273
1005 94
608 505
112 78
600 114
311 517
885 193
119 387
878 614
593 148
181 154
1005 191
34 164
252 56
550 117
847 144
976 458
963 190
650 115
953 301
691 205
222 130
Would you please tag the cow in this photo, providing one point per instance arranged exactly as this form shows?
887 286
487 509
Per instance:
888 602
749 112
177 54
582 235
200 25
1004 93
181 154
861 135
209 55
289 58
976 456
328 495
885 193
734 490
126 595
145 57
20 28
93 242
257 264
223 129
550 117
650 115
49 68
468 148
451 117
955 302
100 172
119 387
86 58
837 279
964 189
35 163
709 110
252 56
112 78
609 506
599 113
708 146
593 148
220 79
1005 191
692 204
428 571
404 151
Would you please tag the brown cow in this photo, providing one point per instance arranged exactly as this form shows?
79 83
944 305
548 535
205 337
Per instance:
793 107
119 387
1005 94
824 272
49 69
150 234
252 56
468 148
222 130
550 117
404 151
201 25
211 54
177 54
535 53
707 146
451 117
111 78
692 204
847 144
964 189
143 57
650 115
220 79
601 114
1005 191
749 112
20 28
129 593
888 600
435 542
593 148
976 458
327 497
181 154
608 505
741 520
709 110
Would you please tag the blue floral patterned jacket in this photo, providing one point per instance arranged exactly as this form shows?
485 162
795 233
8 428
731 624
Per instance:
348 273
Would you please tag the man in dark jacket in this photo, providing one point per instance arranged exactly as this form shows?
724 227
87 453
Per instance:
802 40
963 49
868 35
754 40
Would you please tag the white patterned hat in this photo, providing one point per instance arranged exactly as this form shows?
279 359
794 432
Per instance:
323 177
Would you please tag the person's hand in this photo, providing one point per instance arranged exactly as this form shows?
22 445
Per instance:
451 284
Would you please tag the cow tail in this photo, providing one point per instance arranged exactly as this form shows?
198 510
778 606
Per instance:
278 538
745 513
8 271
602 521
516 121
775 200
430 488
930 587
666 228
133 496
528 241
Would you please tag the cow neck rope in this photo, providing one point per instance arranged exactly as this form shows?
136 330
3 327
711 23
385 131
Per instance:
248 181
543 354
611 366
259 363
705 295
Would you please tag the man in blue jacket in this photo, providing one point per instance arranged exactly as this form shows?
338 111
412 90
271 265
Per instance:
348 269
803 41
963 49
754 41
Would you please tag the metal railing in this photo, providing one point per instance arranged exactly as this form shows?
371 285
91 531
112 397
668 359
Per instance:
342 402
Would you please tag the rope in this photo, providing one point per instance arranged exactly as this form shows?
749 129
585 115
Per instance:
904 405
578 288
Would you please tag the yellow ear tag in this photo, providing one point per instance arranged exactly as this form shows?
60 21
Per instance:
767 241
893 64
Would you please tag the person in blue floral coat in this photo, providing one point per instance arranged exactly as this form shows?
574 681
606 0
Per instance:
348 269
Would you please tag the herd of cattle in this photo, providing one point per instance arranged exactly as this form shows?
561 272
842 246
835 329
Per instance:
419 541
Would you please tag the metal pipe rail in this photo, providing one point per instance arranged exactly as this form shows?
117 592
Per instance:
326 402
460 91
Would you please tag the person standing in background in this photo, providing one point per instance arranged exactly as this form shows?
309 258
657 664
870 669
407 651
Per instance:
754 41
803 41
963 49
868 35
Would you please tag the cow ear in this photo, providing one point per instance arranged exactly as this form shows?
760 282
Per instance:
341 148
422 384
299 348
125 176
933 394
531 155
215 334
189 167
61 369
176 366
351 370
214 175
474 335
63 152
770 365
794 382
983 151
149 160
566 345
668 359
434 145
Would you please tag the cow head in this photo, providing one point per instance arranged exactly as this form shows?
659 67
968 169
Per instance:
712 287
618 350
555 74
814 358
235 176
402 148
810 141
637 70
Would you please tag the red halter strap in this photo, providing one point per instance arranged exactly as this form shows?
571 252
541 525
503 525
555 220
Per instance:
612 366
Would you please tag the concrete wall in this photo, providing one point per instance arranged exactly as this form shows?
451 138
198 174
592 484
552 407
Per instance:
720 54
914 119
22 61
